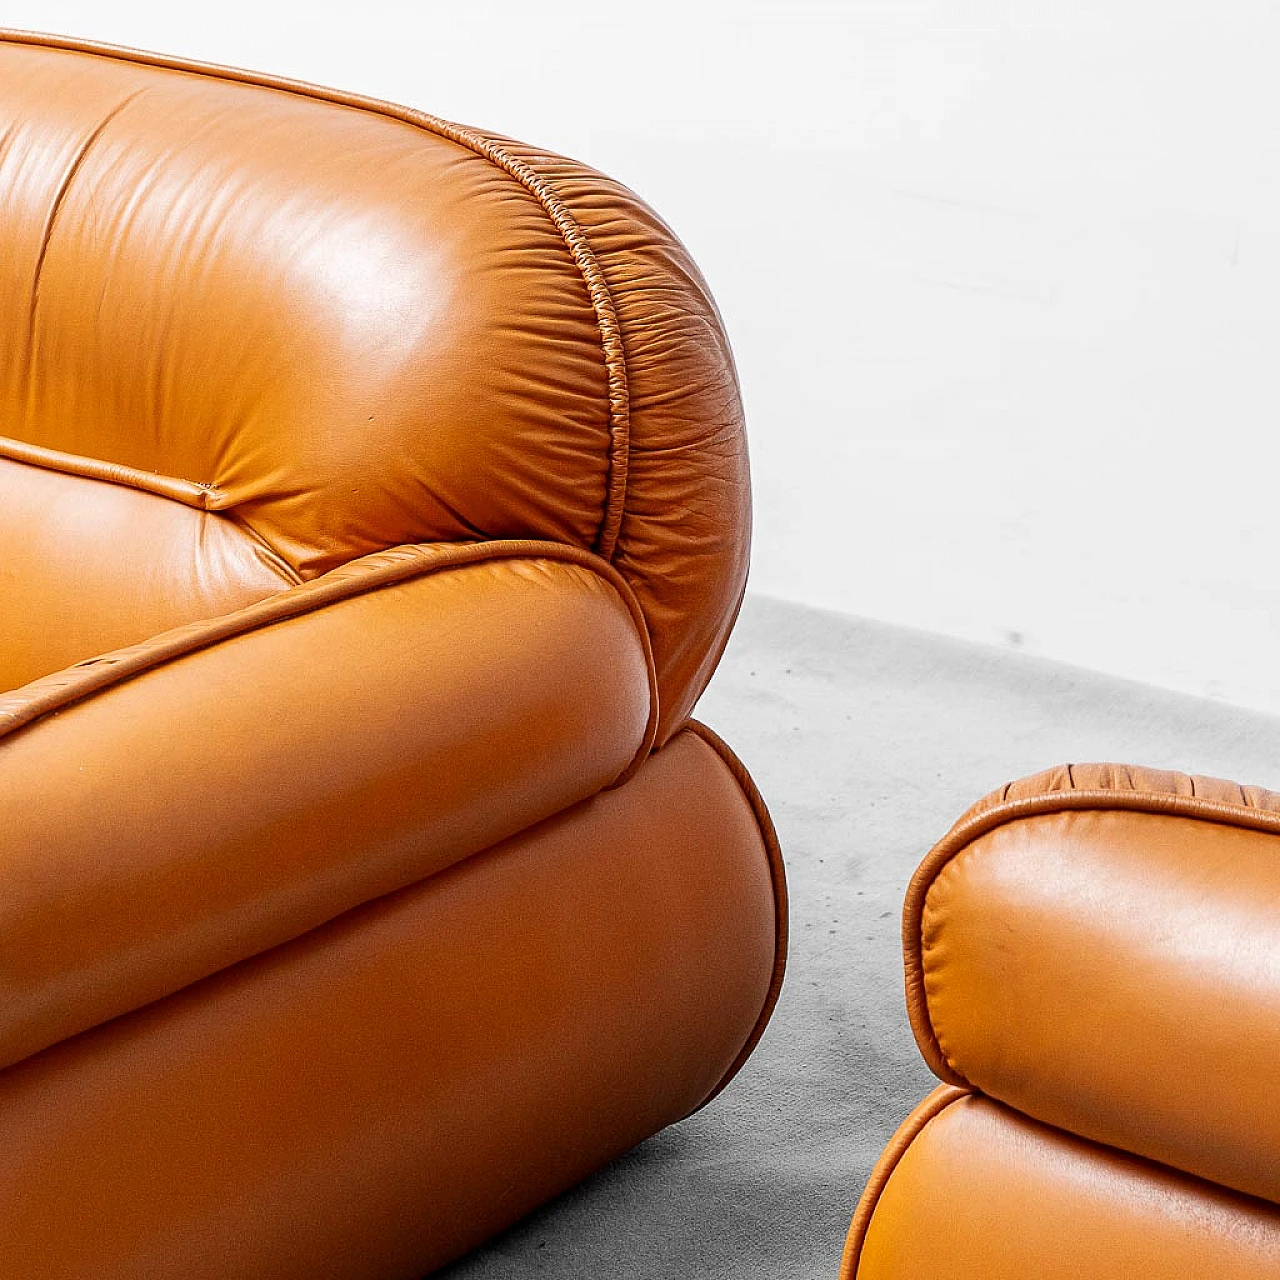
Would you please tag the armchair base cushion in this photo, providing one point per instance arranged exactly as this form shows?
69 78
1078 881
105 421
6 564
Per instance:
338 742
418 1073
972 1190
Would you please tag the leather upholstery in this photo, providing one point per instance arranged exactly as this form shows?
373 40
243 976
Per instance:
271 823
112 564
983 1193
1155 936
386 1091
683 403
343 326
1096 948
374 507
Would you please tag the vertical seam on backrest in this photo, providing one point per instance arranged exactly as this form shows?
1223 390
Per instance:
580 249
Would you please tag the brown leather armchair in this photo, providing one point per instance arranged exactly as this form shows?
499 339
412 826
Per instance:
1093 968
373 510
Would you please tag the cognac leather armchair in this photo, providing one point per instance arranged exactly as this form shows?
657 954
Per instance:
373 509
1093 968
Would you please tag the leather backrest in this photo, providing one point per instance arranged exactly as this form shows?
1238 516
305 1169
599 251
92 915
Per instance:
331 327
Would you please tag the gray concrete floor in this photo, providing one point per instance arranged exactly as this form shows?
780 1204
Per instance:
867 741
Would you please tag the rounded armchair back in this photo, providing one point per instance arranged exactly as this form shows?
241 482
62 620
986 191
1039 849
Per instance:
254 330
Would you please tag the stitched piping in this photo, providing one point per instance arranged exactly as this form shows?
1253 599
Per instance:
778 876
606 315
929 982
1156 803
911 1128
575 238
191 493
54 693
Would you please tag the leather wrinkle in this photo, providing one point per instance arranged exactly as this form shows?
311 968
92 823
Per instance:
46 713
606 312
638 276
777 876
576 240
263 548
457 516
929 945
46 236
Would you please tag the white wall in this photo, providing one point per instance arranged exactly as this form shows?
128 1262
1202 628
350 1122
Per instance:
1003 278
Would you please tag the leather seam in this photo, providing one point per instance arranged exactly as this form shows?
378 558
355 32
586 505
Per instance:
576 240
778 880
925 1112
929 981
1188 786
611 339
196 494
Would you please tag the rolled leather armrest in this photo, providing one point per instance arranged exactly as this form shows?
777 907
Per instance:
177 807
1099 948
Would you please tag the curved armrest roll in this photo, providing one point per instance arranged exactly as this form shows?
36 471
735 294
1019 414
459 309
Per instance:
1099 947
172 809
